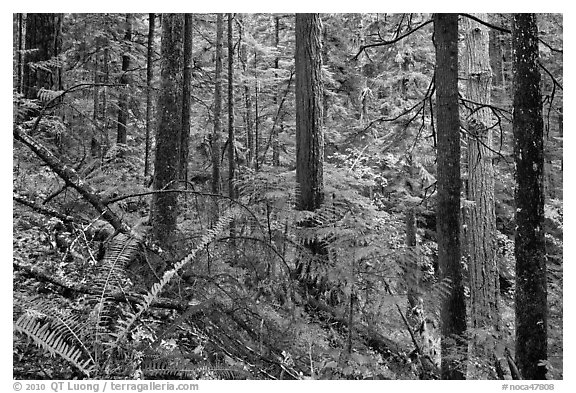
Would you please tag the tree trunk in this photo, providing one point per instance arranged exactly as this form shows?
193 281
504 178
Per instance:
216 144
106 76
165 205
453 312
275 141
309 134
95 148
309 138
149 77
247 96
43 42
480 215
496 57
256 115
186 99
531 291
19 57
231 136
124 81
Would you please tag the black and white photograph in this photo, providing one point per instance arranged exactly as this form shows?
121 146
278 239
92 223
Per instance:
272 196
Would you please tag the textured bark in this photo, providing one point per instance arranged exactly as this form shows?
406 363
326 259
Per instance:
481 216
164 207
216 143
95 143
531 291
275 141
43 42
247 97
19 57
149 77
453 312
231 136
496 58
124 81
309 134
186 98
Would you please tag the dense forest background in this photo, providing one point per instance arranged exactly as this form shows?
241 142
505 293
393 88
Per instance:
265 196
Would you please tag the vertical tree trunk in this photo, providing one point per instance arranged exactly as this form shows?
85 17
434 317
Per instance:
309 133
187 99
19 64
275 141
531 290
106 80
124 81
256 115
43 42
496 58
164 207
95 143
325 60
481 215
216 144
231 136
448 205
247 96
149 77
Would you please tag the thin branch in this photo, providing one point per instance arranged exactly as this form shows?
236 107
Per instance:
384 43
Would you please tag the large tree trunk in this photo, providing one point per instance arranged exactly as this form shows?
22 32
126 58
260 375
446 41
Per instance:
149 77
216 143
531 291
124 81
231 136
309 134
480 215
186 99
448 205
164 207
43 42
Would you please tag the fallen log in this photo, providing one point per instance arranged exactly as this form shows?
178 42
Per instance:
71 178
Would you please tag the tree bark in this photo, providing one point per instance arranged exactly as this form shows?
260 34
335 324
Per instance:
453 312
480 214
247 96
216 144
43 42
275 130
95 148
163 212
231 136
528 127
309 133
19 57
124 81
149 78
186 99
481 225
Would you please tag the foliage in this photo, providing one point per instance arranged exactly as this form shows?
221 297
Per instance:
238 308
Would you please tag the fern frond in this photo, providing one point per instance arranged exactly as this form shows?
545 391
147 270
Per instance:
47 338
158 287
71 328
173 368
